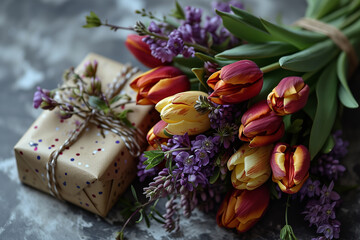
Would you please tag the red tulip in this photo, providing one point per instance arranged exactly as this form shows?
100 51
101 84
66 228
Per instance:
290 166
159 83
141 51
261 126
289 96
235 82
241 209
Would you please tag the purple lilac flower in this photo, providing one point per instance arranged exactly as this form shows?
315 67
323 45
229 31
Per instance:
310 189
208 144
328 165
225 6
320 211
192 14
144 173
44 98
221 115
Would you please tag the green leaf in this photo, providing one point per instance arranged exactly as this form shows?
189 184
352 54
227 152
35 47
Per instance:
259 50
98 103
147 221
215 176
319 8
345 95
199 73
123 117
298 38
92 21
178 12
207 58
310 59
134 193
188 62
326 111
295 126
329 144
243 30
154 158
141 216
248 18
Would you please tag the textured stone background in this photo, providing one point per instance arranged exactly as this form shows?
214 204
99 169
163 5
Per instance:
41 38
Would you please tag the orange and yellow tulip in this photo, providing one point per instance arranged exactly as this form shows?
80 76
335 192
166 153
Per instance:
250 166
260 125
290 167
156 134
235 82
180 115
289 96
159 83
241 209
141 51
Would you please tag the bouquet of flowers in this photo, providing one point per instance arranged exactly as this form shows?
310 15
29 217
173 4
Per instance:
248 111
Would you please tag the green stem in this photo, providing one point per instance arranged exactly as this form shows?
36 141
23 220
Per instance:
286 209
115 27
271 67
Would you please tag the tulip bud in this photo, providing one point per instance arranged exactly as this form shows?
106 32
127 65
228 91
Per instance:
141 51
241 209
159 83
156 134
290 166
235 82
90 69
260 126
250 167
180 115
289 96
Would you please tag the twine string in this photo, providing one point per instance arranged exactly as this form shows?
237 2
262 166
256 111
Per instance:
130 136
335 35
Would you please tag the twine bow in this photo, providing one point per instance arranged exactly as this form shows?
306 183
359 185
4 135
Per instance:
128 135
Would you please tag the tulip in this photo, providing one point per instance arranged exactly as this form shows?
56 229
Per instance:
290 166
159 83
141 51
179 112
156 134
235 82
250 167
289 96
241 209
260 126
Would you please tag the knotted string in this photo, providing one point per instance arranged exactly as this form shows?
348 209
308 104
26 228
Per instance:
335 35
129 136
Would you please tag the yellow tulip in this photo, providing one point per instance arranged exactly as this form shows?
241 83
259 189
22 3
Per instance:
179 112
250 166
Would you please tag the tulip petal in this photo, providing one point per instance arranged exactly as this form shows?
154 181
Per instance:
173 113
258 181
301 158
277 161
213 79
167 87
160 105
158 129
258 162
192 128
254 112
187 98
259 141
241 72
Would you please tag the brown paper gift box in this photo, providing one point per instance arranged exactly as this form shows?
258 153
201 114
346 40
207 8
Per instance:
94 171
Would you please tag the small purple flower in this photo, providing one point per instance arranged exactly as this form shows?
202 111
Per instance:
225 7
192 14
310 189
44 98
327 194
327 230
202 157
144 173
153 27
328 211
66 111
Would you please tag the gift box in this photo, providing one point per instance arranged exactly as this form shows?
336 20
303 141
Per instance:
95 170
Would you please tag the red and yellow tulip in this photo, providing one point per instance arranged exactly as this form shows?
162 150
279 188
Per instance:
290 166
236 82
180 115
156 134
289 96
260 125
250 166
141 51
241 209
159 83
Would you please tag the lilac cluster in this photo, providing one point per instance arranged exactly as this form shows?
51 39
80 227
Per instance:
193 166
328 165
162 186
142 172
190 31
320 210
171 218
220 115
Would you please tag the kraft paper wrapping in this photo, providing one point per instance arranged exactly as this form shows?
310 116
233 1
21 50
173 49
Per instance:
94 171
